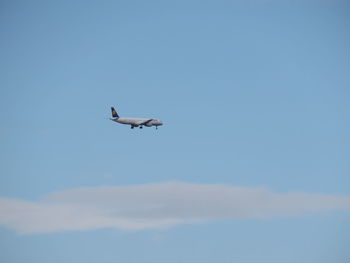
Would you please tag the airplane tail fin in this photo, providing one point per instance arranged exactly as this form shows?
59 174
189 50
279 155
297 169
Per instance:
114 113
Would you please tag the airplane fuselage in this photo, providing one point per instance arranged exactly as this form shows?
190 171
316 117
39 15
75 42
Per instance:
136 122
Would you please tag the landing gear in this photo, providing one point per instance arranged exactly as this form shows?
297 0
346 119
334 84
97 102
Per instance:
156 127
141 127
132 127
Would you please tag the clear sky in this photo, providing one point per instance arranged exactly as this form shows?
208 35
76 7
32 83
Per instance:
254 95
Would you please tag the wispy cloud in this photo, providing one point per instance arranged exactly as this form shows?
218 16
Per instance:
158 205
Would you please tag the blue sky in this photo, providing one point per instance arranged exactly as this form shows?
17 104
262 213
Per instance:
252 93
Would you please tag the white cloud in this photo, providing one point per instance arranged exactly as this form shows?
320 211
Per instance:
158 205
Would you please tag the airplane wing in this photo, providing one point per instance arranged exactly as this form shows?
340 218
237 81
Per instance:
144 122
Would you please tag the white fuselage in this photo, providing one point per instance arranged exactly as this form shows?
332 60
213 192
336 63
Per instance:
135 122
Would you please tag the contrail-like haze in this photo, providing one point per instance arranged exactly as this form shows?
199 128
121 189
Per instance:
159 205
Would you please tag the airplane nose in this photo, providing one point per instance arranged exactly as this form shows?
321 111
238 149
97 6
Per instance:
160 123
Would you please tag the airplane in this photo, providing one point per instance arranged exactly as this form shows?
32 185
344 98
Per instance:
135 122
